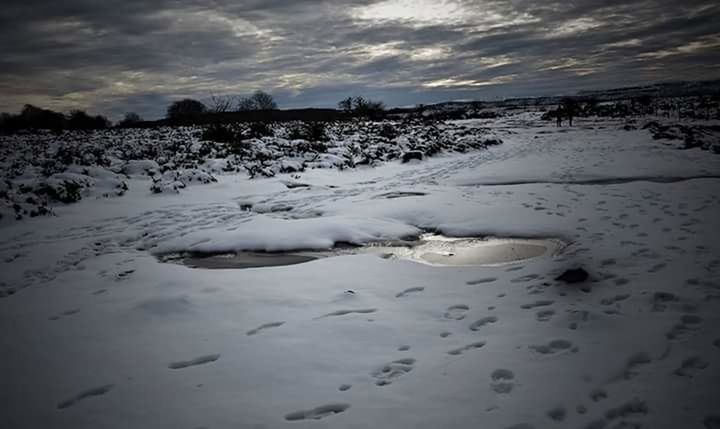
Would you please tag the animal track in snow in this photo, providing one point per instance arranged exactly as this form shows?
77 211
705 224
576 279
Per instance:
409 291
317 413
463 349
264 326
201 360
392 370
476 325
95 391
456 312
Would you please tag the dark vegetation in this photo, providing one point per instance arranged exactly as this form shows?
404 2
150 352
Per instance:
665 100
695 108
35 118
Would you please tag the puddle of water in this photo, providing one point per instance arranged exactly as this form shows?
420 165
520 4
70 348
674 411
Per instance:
429 249
445 251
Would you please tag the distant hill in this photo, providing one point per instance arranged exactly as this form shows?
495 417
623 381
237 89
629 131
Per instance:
668 89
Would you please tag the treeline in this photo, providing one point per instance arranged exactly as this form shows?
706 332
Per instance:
694 108
258 107
261 106
32 117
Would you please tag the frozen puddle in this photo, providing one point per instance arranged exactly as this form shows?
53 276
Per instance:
462 252
429 249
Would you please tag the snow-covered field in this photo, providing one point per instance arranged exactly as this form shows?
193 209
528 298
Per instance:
99 334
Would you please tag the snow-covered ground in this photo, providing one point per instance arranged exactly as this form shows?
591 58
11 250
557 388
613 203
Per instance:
100 334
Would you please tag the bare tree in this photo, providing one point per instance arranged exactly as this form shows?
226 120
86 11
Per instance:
130 118
221 103
264 101
260 100
346 105
184 108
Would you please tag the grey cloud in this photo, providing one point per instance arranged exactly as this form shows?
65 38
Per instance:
114 56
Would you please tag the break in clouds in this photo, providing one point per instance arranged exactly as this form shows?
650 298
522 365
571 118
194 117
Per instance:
116 56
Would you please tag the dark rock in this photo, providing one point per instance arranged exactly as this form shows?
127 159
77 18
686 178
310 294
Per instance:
413 154
576 275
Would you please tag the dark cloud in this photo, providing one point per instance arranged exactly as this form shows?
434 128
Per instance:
120 55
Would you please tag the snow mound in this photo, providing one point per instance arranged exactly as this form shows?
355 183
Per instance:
267 234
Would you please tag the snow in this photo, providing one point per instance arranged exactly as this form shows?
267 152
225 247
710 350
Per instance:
262 233
99 333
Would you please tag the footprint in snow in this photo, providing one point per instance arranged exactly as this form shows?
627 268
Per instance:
392 370
633 362
456 312
633 408
544 315
409 291
463 349
64 314
317 413
525 279
194 362
265 326
481 281
553 347
614 299
557 414
661 300
502 381
95 391
597 395
687 324
691 366
476 325
346 312
538 303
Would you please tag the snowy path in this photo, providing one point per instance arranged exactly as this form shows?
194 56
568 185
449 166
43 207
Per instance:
100 334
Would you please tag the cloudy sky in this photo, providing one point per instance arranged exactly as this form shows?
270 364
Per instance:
114 56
